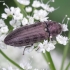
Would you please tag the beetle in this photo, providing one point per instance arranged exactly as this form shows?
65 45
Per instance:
30 34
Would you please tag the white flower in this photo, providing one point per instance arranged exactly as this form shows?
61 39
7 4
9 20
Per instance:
2 37
51 9
12 9
26 65
62 39
30 20
2 45
44 19
4 15
9 68
15 10
2 23
4 29
41 48
28 9
22 65
18 16
64 27
40 14
24 21
29 66
48 46
12 22
36 4
24 2
8 11
47 8
15 23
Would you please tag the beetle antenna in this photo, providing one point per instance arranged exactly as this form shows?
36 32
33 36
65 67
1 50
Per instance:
6 5
64 18
68 20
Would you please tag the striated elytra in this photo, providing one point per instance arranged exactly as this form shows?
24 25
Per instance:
34 33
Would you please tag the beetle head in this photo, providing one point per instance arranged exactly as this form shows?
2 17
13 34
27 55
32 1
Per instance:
54 28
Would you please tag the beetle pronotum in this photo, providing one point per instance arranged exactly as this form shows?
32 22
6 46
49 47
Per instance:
30 34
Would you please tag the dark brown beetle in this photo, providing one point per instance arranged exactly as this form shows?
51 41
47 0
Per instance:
30 34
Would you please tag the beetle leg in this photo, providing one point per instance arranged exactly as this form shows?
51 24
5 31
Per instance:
26 47
37 49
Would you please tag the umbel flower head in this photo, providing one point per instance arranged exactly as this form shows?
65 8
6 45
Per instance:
40 13
25 65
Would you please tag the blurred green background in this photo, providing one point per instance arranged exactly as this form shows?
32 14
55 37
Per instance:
57 15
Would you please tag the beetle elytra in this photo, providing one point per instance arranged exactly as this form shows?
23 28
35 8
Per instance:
30 34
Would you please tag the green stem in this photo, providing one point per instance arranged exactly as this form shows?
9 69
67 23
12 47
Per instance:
64 54
14 63
21 7
68 66
48 59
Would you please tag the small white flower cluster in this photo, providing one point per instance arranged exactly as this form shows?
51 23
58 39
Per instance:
25 66
39 12
9 68
62 39
40 15
46 46
14 12
19 19
24 2
3 31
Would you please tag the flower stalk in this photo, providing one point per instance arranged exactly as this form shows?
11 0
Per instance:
68 66
65 54
48 59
